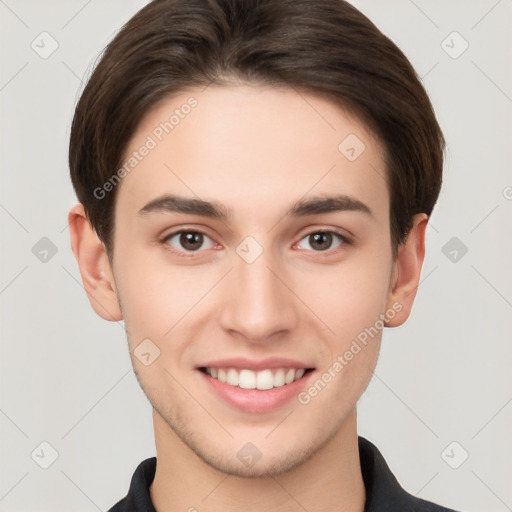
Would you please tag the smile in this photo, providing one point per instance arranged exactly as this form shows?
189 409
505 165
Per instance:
249 379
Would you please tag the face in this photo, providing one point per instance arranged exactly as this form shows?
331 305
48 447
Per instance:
270 268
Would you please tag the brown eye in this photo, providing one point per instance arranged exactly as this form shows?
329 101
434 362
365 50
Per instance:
323 240
320 241
188 241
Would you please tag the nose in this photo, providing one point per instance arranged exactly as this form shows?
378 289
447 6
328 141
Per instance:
259 302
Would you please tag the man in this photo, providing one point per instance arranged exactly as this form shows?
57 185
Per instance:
255 179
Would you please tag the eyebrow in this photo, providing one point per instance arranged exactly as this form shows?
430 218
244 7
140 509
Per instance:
312 206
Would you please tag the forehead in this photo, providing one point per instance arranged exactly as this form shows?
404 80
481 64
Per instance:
246 145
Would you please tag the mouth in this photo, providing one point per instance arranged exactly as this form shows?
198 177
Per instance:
262 380
255 387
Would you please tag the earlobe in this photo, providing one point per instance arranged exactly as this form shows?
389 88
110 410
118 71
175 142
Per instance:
406 272
94 265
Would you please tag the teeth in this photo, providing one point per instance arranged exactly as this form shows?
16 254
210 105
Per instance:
248 379
232 378
264 380
289 376
299 373
279 378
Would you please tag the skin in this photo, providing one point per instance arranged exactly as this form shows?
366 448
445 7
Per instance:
257 151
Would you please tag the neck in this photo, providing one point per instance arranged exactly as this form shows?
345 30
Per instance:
330 480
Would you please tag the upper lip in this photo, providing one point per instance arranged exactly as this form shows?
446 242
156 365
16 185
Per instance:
255 365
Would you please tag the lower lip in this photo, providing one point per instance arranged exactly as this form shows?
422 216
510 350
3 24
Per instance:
256 400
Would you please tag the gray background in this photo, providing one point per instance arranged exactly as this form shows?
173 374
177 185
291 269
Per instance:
442 378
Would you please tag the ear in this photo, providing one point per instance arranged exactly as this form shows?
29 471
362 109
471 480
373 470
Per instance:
94 265
406 272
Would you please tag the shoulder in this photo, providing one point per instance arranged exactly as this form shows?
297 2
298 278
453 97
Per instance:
383 492
138 497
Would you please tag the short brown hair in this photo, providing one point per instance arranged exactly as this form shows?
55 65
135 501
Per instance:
323 47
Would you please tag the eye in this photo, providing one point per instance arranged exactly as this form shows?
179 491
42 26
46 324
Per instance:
188 241
323 240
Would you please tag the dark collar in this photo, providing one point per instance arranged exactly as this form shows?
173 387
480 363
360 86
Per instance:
383 492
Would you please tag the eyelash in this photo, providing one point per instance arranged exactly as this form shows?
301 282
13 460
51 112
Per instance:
192 254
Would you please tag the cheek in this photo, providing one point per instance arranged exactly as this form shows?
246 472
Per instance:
351 308
148 296
349 298
160 299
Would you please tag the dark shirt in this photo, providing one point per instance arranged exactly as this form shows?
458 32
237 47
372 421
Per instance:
383 492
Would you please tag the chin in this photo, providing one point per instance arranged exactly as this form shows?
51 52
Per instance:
261 468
